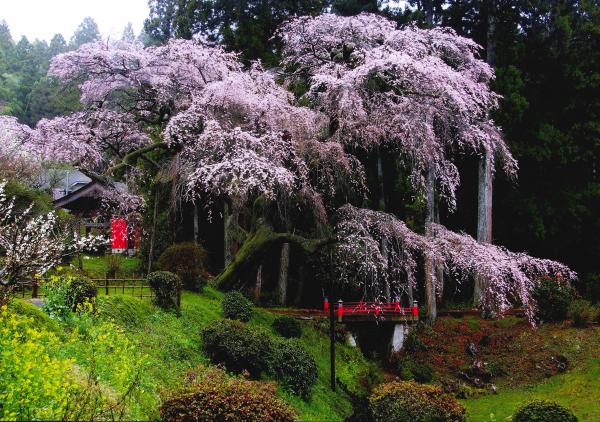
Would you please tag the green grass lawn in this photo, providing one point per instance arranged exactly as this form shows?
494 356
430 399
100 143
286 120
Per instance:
578 390
97 264
172 345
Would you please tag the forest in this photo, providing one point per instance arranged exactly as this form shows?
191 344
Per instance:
392 205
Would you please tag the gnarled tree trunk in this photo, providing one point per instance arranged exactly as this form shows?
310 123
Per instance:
429 267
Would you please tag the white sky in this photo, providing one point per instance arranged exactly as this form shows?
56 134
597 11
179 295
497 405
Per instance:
43 18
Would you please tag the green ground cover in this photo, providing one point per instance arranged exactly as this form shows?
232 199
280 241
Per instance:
578 390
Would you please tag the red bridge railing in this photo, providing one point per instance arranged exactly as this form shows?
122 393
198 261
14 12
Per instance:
363 310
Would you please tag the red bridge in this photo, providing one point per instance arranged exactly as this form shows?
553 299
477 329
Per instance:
369 311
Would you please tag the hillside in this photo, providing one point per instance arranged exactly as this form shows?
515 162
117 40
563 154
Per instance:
169 345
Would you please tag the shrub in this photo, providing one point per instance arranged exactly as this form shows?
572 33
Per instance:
187 260
236 306
405 401
213 395
293 366
543 411
581 312
166 287
79 291
553 298
591 287
414 371
56 302
114 262
236 346
287 327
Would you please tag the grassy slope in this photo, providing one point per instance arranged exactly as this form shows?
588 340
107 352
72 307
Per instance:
578 390
172 344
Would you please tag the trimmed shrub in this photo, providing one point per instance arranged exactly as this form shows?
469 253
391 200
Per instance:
543 411
236 306
413 371
214 396
187 260
581 312
553 298
236 346
294 367
79 291
166 287
287 327
405 401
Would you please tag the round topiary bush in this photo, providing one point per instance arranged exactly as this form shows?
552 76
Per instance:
79 290
214 396
166 287
236 346
543 411
287 327
405 401
553 298
293 366
187 260
236 306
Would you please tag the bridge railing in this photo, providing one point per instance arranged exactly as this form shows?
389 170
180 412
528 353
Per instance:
364 310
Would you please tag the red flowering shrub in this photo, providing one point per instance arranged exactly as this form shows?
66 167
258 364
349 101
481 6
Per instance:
214 396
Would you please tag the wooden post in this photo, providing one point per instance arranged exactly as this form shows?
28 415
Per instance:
34 290
106 283
332 345
123 284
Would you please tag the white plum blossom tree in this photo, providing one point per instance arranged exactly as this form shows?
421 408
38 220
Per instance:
32 244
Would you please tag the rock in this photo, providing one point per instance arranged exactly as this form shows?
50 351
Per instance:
472 349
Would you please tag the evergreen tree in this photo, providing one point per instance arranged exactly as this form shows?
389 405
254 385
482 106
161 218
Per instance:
87 31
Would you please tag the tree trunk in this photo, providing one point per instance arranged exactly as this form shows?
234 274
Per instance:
429 267
230 218
196 225
258 285
284 263
382 205
486 171
386 288
153 235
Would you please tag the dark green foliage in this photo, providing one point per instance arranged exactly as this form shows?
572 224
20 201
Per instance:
236 346
413 371
80 290
544 411
293 366
407 401
166 287
214 396
591 288
553 299
236 306
581 313
247 27
187 261
287 327
25 197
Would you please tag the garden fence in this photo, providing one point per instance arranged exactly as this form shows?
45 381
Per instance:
130 285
